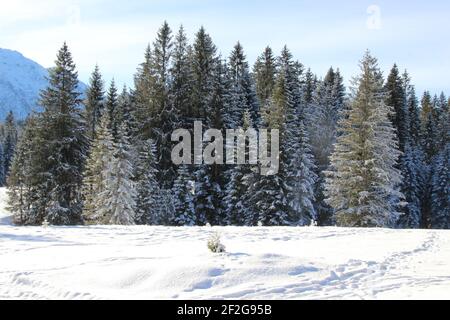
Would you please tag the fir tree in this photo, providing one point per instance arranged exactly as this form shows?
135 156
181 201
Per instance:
363 181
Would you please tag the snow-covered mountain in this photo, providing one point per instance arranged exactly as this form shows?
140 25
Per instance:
21 80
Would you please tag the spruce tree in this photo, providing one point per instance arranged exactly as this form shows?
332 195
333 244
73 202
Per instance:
242 85
164 119
9 143
96 171
21 182
183 191
239 178
363 180
181 75
143 112
395 98
112 108
116 203
264 72
94 103
64 144
204 63
321 119
440 216
147 187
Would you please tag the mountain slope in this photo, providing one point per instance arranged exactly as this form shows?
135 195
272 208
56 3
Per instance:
21 80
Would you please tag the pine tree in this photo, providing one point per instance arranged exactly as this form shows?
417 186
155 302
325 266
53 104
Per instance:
183 191
65 144
116 203
94 103
95 174
362 184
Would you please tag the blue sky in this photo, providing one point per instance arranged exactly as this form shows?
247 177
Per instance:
414 34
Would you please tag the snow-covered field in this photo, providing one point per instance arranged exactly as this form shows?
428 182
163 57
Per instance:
261 263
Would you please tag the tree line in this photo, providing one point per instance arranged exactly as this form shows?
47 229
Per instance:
373 157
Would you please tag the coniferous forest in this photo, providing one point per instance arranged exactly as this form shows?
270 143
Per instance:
373 155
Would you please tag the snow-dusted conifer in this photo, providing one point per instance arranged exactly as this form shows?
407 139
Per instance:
116 203
363 181
96 171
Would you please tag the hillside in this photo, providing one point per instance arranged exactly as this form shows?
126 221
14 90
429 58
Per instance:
21 80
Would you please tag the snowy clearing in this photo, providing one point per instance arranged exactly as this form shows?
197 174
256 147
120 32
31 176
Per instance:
261 263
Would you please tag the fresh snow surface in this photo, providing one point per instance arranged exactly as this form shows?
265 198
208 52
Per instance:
141 262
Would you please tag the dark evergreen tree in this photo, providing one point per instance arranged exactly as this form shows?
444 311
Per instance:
396 99
57 149
94 103
242 85
183 191
264 73
181 75
112 108
9 144
164 118
147 187
440 213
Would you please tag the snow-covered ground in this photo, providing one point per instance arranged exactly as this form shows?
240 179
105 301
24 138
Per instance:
261 263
